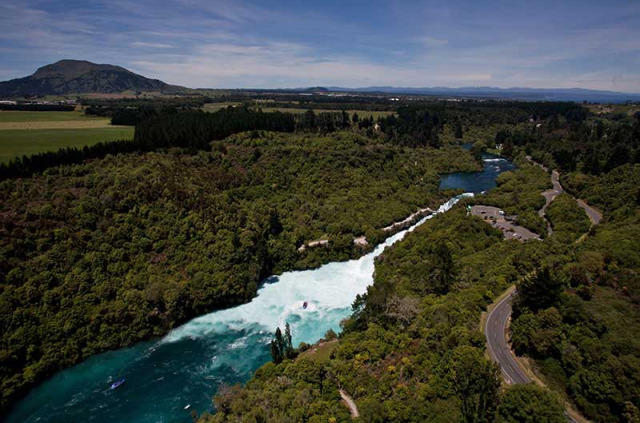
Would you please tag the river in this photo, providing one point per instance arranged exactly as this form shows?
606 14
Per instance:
188 364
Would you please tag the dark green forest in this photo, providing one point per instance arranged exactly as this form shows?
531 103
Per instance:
413 350
101 255
105 246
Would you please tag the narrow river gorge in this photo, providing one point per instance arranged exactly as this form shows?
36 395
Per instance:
224 347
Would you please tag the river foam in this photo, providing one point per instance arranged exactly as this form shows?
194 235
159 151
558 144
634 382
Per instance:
329 292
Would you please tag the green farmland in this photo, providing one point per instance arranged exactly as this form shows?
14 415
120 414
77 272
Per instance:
26 116
14 143
25 133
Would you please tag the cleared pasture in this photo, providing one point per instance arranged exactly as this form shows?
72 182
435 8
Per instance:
28 132
25 116
14 143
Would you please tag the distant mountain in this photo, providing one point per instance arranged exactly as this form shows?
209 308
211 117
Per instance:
78 76
520 93
316 90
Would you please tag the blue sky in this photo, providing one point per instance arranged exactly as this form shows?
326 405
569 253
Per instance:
263 44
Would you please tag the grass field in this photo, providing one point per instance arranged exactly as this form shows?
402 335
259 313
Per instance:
24 133
19 116
214 107
50 120
321 352
15 143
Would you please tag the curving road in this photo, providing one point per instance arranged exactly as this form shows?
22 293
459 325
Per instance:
549 196
594 215
497 322
496 332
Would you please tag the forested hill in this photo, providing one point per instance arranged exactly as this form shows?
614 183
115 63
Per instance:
78 76
413 350
100 255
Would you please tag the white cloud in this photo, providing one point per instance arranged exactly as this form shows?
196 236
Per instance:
144 44
267 65
237 44
433 42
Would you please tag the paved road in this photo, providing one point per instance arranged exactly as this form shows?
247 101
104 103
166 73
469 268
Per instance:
594 215
496 332
498 319
499 350
549 196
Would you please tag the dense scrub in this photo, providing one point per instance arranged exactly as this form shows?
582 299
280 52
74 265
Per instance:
412 351
103 254
617 193
592 146
579 318
576 313
567 218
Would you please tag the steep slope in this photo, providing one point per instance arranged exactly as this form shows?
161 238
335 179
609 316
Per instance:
78 76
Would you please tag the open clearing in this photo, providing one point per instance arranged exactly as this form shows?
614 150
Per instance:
25 133
70 124
24 116
50 120
20 142
214 107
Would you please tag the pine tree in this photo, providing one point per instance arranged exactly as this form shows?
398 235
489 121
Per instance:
458 130
276 357
443 273
277 347
281 346
288 347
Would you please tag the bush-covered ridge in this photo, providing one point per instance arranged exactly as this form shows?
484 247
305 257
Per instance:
403 348
104 254
412 351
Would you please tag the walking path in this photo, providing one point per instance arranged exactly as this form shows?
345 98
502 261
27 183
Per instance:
353 409
409 220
